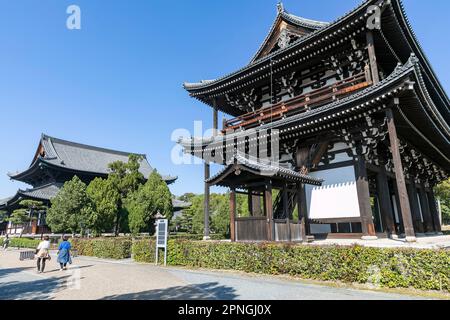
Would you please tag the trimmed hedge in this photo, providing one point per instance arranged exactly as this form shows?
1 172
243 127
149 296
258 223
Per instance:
22 243
390 267
103 248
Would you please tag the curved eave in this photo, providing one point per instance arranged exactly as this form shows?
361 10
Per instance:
397 84
18 197
22 176
201 90
417 48
169 180
264 63
276 172
397 77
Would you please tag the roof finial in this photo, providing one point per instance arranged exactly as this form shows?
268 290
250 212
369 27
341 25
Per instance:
280 7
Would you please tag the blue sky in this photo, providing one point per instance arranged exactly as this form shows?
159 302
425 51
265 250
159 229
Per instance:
117 83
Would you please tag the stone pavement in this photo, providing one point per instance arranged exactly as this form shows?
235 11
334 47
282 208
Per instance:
425 242
93 279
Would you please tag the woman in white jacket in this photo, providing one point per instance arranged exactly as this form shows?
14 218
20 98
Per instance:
43 254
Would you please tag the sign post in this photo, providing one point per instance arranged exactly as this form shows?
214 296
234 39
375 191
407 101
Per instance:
162 231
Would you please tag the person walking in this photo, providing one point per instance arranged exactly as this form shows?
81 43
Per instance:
43 254
64 253
6 243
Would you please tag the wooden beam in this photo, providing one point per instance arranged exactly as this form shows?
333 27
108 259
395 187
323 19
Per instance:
387 212
400 178
269 211
233 215
372 57
365 209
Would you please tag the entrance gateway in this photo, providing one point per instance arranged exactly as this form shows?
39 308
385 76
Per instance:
363 129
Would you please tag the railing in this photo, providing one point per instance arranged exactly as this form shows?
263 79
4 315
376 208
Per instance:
299 104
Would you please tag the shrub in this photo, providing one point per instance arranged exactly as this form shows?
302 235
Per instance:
103 248
391 268
23 243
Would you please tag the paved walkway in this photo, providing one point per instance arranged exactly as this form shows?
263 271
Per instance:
424 242
92 279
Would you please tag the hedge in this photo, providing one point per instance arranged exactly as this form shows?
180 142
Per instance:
384 267
22 243
103 248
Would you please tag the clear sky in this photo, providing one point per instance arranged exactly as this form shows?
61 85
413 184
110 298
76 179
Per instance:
117 83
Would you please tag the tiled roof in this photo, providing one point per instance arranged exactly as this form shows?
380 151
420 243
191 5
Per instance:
298 21
46 192
85 158
266 168
397 74
316 33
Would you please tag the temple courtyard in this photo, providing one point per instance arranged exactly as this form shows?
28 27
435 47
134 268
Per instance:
94 279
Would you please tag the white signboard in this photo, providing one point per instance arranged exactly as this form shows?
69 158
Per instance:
337 198
162 231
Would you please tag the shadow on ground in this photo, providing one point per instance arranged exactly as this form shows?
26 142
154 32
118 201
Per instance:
204 291
7 272
41 289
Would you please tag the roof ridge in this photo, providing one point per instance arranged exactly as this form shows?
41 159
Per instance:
41 187
90 147
253 63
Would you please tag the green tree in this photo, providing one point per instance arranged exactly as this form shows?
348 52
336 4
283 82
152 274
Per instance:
25 214
151 198
20 217
125 178
71 208
220 214
105 199
443 194
3 216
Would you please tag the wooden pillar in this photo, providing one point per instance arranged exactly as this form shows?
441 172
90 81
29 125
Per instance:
256 205
269 210
287 213
233 215
434 212
400 178
207 176
206 207
387 212
362 186
412 193
302 212
372 57
427 219
250 202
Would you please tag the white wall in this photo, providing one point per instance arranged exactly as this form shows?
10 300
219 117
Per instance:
337 198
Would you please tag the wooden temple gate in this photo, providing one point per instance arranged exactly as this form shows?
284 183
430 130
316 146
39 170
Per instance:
263 225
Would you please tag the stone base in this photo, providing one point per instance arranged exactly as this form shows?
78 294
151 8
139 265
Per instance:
439 233
369 238
206 238
411 239
420 235
430 234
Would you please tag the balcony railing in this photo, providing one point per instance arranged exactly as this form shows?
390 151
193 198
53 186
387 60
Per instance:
298 104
